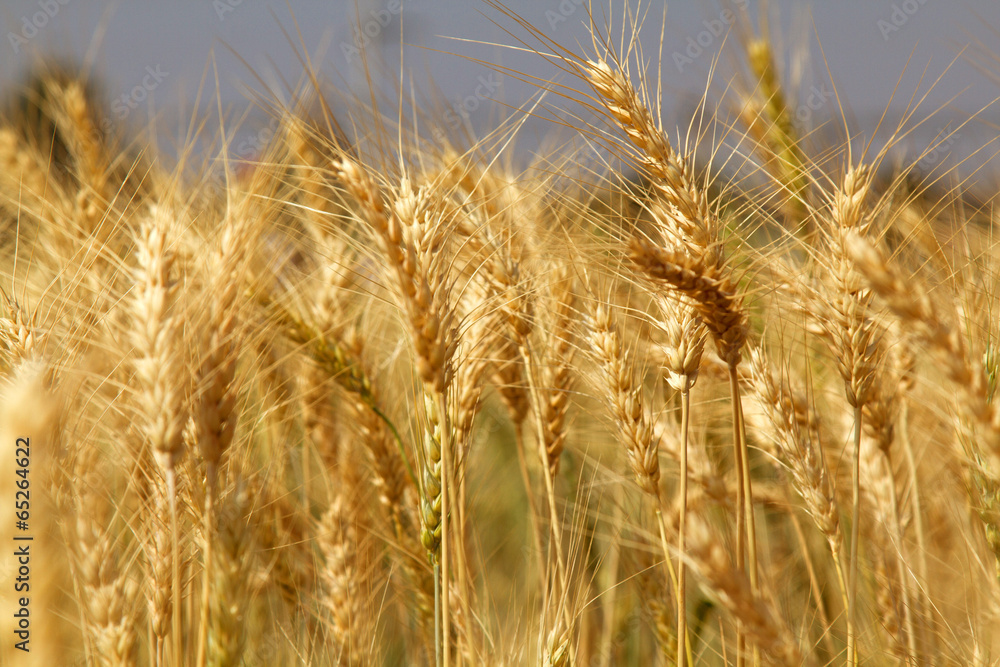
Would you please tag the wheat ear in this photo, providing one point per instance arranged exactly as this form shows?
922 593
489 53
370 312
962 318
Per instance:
342 577
768 116
759 620
856 346
231 572
797 434
709 290
625 395
108 592
685 217
215 413
686 207
411 236
684 343
158 367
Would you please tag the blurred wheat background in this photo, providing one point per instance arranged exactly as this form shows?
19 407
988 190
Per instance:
377 373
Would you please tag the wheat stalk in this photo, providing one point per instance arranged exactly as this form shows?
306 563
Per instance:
796 431
684 344
411 238
732 588
159 372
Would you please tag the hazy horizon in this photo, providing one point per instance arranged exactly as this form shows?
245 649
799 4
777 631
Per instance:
152 57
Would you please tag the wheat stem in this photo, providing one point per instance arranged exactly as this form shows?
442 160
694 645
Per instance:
814 586
522 464
438 660
739 454
175 571
683 642
206 588
918 516
556 524
852 582
445 530
904 578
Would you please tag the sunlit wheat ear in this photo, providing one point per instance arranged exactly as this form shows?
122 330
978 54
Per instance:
672 174
696 268
508 287
557 375
413 238
978 422
109 592
156 340
92 227
158 566
883 531
709 289
850 325
217 385
624 394
684 215
215 402
707 285
684 343
159 370
22 339
845 306
234 562
682 206
312 177
344 580
760 621
557 650
910 302
394 487
795 429
318 206
431 493
796 432
768 117
24 181
470 380
431 318
73 116
623 390
387 227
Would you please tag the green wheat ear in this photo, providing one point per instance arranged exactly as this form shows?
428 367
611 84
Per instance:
991 362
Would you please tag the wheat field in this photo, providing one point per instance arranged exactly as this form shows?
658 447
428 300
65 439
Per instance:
385 395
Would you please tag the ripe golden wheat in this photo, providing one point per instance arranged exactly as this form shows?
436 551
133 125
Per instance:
396 402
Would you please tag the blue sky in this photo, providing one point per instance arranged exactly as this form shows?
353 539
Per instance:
867 46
